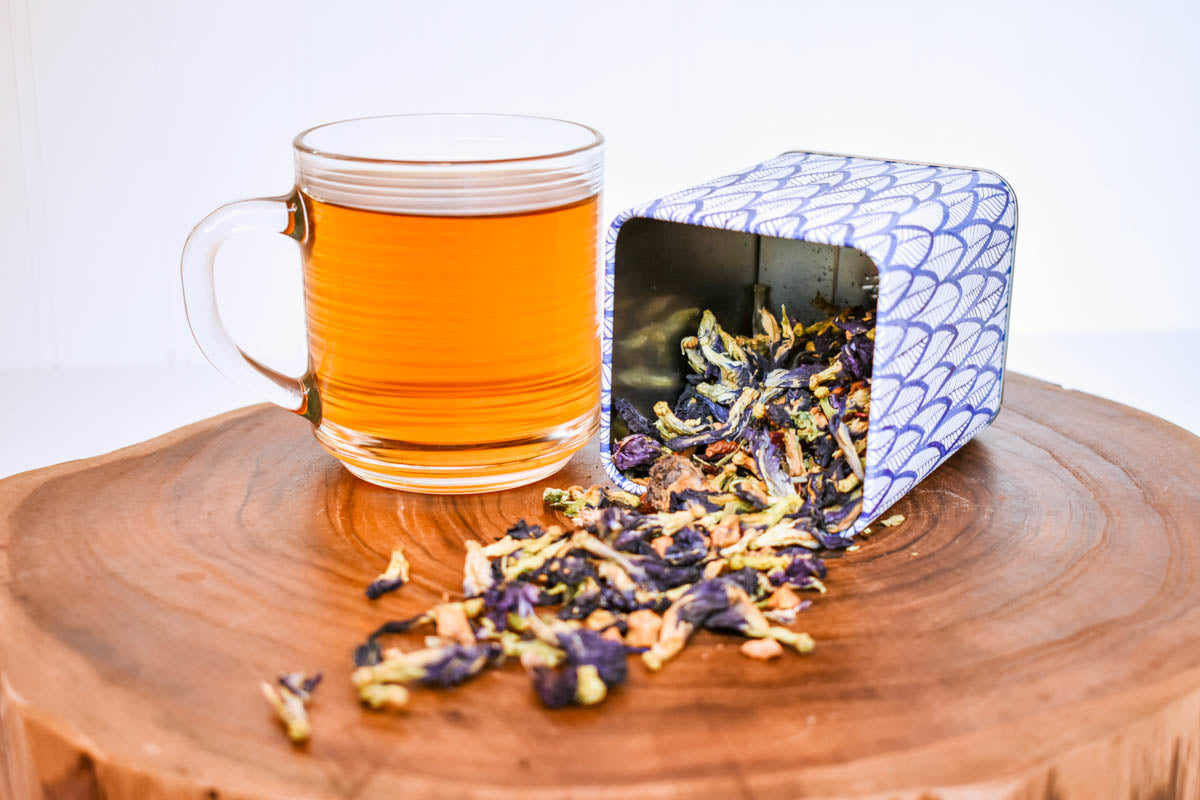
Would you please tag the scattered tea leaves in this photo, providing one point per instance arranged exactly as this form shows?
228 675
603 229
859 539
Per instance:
392 578
290 697
752 475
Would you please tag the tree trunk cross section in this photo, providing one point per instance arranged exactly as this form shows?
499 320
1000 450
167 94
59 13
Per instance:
1032 631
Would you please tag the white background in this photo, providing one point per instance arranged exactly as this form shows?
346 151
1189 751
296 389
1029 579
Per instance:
123 123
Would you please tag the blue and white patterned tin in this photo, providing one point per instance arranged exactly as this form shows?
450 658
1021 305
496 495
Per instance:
942 241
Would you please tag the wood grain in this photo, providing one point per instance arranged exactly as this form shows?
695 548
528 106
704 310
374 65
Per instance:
1033 631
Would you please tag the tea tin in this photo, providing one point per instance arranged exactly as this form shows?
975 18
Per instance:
931 246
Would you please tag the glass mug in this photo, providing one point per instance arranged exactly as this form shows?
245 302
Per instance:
451 281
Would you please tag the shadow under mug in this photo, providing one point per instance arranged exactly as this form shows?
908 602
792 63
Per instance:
451 287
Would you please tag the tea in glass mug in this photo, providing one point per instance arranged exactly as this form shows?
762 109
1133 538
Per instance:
451 283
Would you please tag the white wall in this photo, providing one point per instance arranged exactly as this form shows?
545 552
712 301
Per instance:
123 123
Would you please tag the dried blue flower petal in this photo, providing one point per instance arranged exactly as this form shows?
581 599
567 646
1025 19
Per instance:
691 405
583 603
746 579
290 699
458 663
635 450
779 416
634 541
689 547
614 599
770 462
556 687
584 646
750 495
834 541
662 576
570 569
614 520
634 420
686 498
381 586
800 572
523 530
515 598
395 576
796 378
299 683
740 414
839 519
440 666
706 598
857 356
369 653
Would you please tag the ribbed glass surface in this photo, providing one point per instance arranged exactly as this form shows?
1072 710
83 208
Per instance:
450 164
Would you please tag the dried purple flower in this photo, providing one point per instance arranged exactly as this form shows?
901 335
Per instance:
458 663
442 666
634 420
395 576
369 653
661 576
857 355
779 416
635 450
686 498
804 571
585 647
840 518
740 413
750 495
834 541
300 684
796 378
634 541
290 700
746 579
705 599
515 598
569 569
583 601
523 530
689 547
770 462
615 520
556 687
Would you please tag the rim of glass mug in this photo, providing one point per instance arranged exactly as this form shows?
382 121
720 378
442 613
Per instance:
452 163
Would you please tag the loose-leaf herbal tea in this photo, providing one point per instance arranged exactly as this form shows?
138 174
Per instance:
392 578
290 697
751 474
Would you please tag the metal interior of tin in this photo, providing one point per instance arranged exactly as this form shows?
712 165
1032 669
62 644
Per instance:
668 272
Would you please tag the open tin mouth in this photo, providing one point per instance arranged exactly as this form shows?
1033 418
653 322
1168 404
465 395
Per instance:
929 248
671 272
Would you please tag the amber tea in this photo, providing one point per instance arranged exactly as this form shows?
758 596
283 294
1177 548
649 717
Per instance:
440 341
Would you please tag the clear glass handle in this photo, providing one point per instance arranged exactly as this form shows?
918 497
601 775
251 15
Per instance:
268 214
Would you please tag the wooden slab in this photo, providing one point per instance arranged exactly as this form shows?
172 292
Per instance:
1032 631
